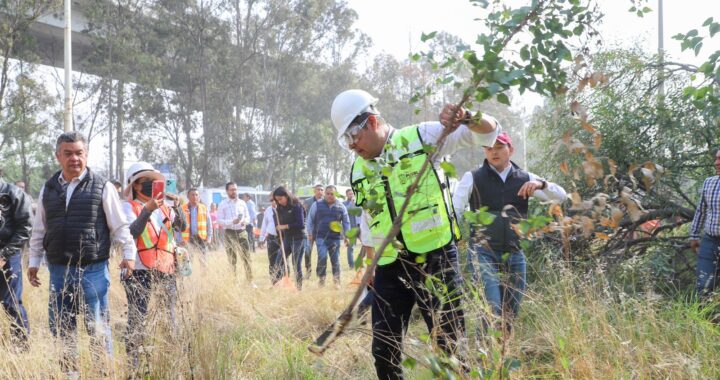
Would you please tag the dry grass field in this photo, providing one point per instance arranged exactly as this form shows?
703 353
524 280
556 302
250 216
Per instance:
568 328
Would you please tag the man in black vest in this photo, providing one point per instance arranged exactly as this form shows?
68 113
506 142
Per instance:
78 215
501 186
14 232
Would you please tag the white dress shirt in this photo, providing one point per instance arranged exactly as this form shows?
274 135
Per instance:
461 196
430 132
268 224
115 218
231 209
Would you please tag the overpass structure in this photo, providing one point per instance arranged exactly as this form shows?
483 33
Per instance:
48 32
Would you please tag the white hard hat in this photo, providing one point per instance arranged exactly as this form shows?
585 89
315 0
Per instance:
348 105
138 170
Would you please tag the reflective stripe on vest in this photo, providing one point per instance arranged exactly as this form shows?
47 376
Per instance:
156 248
427 224
202 222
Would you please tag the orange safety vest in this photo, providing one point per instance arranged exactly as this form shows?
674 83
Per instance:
156 248
202 221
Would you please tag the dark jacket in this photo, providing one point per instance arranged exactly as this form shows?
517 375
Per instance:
15 223
77 234
294 217
503 201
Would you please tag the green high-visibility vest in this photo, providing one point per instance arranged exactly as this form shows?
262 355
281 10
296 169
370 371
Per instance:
381 189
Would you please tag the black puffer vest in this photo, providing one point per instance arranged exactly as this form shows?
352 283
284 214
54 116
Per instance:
489 190
78 234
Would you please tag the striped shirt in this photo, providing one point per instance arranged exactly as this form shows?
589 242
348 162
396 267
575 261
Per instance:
707 215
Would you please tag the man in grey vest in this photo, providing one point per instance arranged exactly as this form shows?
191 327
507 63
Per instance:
504 188
78 216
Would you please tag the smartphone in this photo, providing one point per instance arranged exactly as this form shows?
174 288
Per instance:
123 273
158 187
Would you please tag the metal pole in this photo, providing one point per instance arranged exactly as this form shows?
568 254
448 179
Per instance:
68 122
661 52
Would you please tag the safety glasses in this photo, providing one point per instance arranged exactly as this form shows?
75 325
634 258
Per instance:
350 136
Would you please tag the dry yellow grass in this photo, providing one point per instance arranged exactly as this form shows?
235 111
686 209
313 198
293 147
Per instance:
228 330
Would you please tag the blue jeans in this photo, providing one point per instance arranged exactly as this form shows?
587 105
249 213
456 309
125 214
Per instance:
329 247
90 283
307 246
350 256
503 296
707 267
294 249
11 297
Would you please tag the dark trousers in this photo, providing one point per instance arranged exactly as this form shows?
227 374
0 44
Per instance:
138 289
401 285
294 250
307 246
237 244
251 236
273 250
11 295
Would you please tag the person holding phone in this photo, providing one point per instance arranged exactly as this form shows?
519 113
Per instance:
153 225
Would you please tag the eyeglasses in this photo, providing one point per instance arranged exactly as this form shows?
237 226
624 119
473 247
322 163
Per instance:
350 136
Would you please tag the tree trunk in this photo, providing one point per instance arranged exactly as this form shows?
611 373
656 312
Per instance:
110 132
24 165
120 114
190 151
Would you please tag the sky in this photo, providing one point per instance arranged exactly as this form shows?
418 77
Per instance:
395 26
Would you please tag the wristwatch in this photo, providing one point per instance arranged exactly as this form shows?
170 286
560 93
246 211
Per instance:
7 252
468 117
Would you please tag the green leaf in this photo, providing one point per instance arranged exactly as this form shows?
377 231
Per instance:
524 245
449 169
359 262
708 21
424 37
697 48
524 227
511 364
335 226
354 211
714 29
409 363
352 233
502 98
420 259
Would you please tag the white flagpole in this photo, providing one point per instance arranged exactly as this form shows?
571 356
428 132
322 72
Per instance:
68 121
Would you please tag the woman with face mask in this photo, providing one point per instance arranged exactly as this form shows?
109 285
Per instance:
153 225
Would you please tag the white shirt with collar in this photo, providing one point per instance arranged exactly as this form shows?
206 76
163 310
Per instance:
231 209
268 224
114 215
461 196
